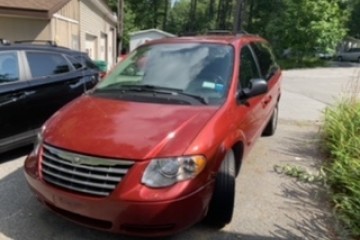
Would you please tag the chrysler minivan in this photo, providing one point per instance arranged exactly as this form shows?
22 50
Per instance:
156 146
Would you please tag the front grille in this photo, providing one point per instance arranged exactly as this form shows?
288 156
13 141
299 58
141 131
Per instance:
82 173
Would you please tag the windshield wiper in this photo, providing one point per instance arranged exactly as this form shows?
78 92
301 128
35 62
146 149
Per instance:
173 91
153 89
201 99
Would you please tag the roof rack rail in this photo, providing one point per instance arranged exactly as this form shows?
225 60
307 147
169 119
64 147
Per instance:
219 32
241 32
215 32
4 41
48 42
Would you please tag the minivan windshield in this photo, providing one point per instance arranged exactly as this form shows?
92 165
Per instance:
198 71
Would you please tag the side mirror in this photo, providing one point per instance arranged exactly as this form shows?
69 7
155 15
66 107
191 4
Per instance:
258 86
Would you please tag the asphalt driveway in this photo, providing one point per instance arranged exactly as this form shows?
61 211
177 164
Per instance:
268 206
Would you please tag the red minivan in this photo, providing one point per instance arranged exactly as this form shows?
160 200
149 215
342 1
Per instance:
157 145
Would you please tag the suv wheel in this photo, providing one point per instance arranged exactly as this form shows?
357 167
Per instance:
272 124
222 202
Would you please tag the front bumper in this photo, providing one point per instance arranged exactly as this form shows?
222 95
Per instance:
116 214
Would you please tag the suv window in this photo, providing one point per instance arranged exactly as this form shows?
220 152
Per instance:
265 58
76 63
46 64
248 68
9 67
85 60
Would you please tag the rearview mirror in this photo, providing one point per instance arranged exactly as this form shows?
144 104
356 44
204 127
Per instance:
258 86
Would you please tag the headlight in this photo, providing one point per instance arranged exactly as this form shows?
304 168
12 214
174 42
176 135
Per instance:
168 171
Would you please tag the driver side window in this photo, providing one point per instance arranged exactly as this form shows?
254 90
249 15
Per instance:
248 68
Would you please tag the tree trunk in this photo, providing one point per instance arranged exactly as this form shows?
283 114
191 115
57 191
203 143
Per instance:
166 10
155 13
238 16
228 15
120 8
192 15
211 13
251 13
222 9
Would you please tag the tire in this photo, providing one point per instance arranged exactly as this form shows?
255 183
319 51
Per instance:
222 202
271 126
339 59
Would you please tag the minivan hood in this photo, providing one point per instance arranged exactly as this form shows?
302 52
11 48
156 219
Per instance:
126 130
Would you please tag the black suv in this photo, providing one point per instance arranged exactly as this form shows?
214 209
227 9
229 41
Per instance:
35 81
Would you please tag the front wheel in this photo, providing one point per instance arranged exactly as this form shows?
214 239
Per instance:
222 202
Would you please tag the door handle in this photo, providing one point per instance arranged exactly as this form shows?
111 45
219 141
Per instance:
7 102
15 97
74 83
267 101
20 95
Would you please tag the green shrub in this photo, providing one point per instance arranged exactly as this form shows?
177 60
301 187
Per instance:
305 62
342 140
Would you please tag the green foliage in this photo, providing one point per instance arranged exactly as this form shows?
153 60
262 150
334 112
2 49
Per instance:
301 174
204 18
300 25
304 62
354 22
112 5
304 25
178 17
342 139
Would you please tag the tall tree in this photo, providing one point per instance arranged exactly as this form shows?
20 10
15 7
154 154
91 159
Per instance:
304 25
192 15
120 29
354 20
211 12
166 11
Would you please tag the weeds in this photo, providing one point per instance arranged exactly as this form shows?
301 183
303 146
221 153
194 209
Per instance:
301 174
342 140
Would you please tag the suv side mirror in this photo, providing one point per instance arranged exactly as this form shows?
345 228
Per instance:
258 86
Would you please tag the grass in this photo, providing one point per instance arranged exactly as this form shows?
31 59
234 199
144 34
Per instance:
342 141
304 62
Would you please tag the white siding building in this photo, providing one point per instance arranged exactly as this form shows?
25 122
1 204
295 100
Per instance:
98 31
86 25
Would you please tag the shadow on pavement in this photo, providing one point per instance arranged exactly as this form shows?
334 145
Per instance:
22 217
313 216
313 219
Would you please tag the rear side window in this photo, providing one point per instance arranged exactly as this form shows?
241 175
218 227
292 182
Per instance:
9 67
46 64
86 61
265 59
76 63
